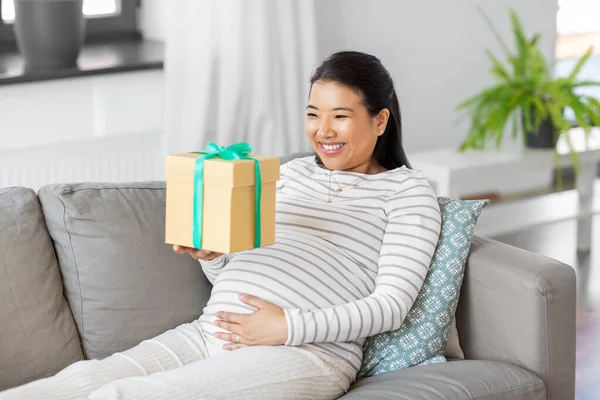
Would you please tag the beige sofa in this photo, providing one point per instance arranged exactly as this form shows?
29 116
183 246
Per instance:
85 272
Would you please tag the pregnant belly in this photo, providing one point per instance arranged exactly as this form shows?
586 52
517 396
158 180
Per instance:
285 278
238 278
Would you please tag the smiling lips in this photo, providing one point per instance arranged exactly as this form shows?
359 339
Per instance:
332 148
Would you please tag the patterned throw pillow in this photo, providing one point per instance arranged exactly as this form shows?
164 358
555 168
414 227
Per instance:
422 337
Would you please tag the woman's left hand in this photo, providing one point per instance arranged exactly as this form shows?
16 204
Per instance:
267 326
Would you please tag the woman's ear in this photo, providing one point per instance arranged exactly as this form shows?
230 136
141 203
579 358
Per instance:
382 120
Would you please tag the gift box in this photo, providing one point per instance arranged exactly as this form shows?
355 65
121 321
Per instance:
219 200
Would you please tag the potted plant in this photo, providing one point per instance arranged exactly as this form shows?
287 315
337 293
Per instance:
526 95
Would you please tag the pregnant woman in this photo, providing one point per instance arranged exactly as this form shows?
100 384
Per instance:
356 232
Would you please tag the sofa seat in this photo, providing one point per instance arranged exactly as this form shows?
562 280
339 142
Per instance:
455 380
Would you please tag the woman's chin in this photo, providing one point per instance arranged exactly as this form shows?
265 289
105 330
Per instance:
337 161
334 165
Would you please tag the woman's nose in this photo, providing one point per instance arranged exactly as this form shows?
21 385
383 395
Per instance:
325 130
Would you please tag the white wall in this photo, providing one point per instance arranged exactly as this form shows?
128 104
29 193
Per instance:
99 128
434 50
44 113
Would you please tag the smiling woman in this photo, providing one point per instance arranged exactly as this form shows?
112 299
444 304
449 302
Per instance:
353 119
356 230
341 130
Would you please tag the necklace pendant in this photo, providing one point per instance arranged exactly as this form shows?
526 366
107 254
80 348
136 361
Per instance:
338 190
329 201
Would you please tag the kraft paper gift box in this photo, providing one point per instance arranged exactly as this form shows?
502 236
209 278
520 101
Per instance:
224 215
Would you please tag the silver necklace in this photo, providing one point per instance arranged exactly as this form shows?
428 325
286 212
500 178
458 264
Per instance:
340 188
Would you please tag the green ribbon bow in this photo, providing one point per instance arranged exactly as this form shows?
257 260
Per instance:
237 151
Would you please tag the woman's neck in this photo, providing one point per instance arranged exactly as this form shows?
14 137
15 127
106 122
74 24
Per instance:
369 168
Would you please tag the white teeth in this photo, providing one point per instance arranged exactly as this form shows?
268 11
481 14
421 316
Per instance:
331 147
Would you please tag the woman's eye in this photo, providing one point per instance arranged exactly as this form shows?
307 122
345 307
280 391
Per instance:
341 116
311 115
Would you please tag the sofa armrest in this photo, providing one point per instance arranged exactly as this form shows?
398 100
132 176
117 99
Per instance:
519 307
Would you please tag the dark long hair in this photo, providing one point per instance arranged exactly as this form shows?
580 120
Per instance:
365 74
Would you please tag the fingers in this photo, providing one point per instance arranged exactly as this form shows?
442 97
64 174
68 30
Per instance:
253 301
200 254
182 249
232 338
231 317
179 249
228 326
204 255
236 346
196 254
235 341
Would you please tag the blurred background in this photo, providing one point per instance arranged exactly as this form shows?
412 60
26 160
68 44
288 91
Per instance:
112 90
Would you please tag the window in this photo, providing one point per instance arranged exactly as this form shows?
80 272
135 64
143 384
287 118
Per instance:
578 17
578 27
91 9
105 18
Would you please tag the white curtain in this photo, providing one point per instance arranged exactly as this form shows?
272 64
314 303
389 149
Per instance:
238 70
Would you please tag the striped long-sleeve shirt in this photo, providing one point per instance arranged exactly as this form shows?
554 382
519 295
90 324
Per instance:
342 270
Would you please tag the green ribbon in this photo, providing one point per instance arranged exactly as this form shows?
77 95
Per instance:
237 151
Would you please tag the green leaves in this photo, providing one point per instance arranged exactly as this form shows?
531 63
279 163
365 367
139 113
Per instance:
523 46
579 65
498 70
525 87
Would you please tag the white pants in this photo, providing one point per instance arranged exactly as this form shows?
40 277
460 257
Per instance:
178 365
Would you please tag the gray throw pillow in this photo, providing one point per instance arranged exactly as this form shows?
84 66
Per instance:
37 334
123 283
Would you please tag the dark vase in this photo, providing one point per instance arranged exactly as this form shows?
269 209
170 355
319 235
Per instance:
542 138
49 34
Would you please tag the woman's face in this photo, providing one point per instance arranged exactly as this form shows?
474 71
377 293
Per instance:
340 129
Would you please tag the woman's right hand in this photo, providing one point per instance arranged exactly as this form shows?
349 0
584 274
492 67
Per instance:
196 254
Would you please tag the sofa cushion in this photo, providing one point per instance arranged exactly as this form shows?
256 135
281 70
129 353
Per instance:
122 281
38 336
424 333
456 380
